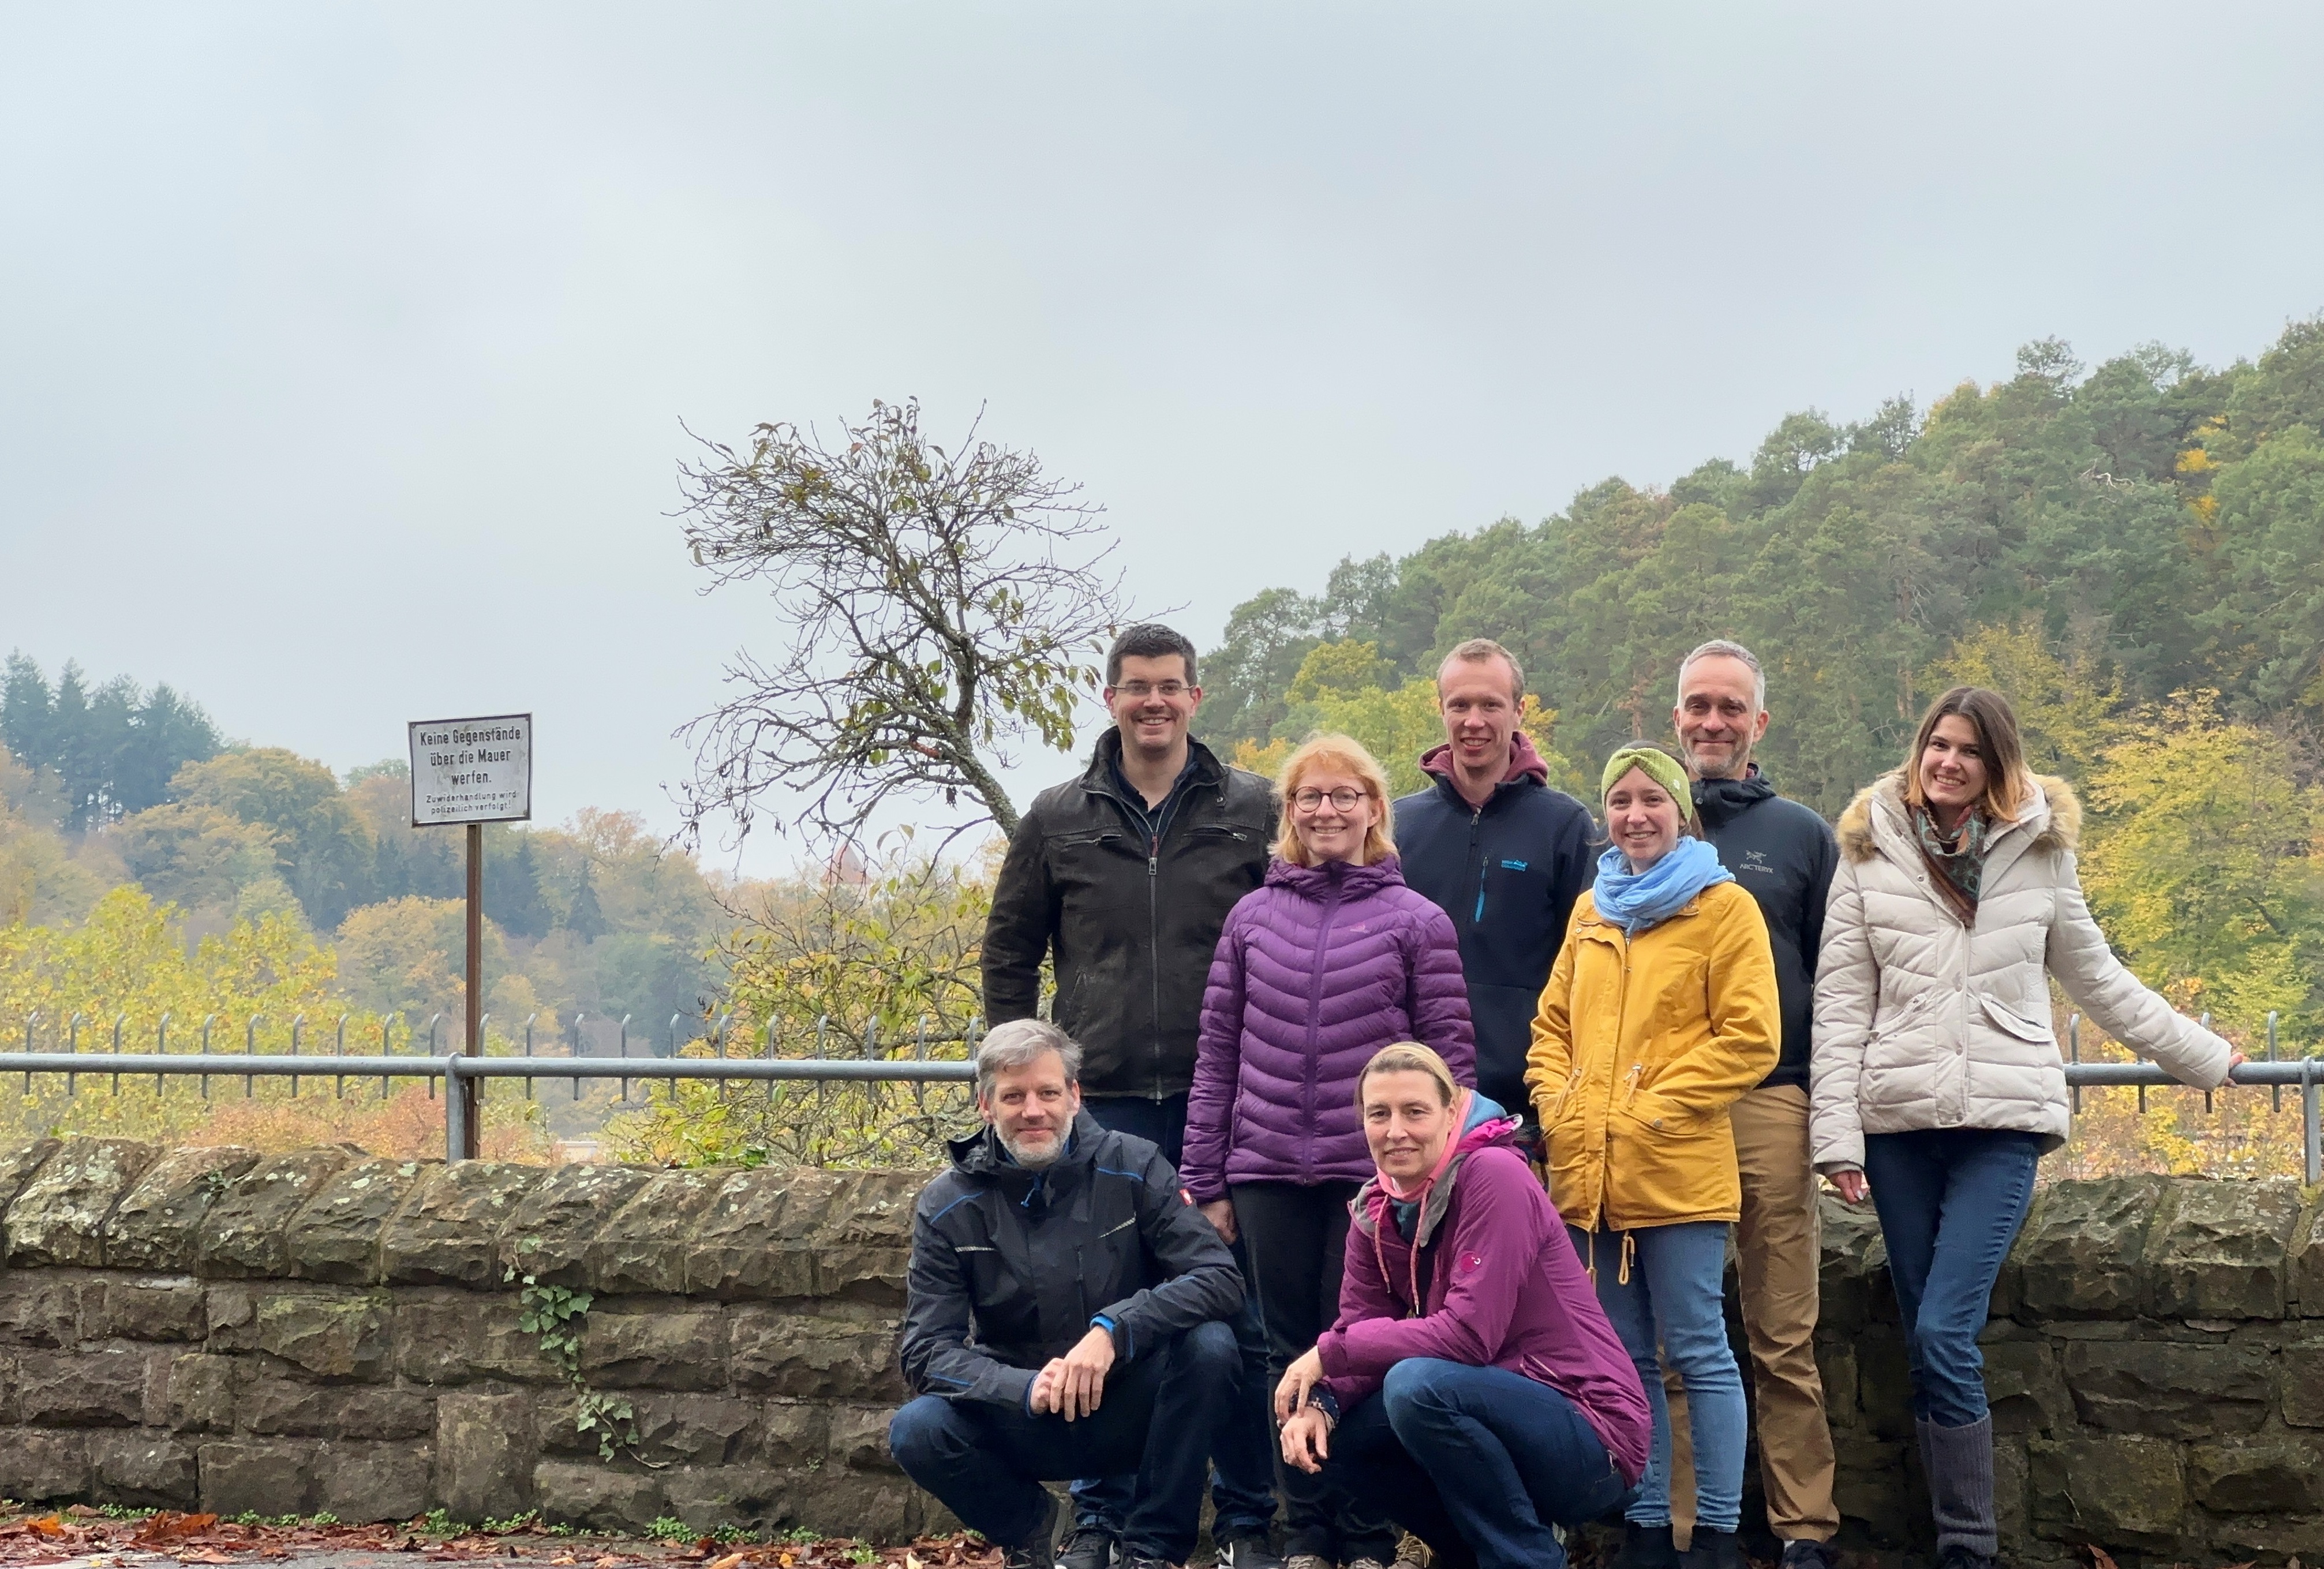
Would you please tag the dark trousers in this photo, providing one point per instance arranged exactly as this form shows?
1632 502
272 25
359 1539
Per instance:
1477 1463
987 1461
1294 1236
1242 1452
1950 1201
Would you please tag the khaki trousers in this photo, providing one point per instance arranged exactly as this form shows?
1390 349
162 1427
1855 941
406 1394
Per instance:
1779 1248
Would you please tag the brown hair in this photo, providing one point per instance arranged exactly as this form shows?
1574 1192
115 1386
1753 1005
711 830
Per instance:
1476 651
1349 755
2008 787
1409 1057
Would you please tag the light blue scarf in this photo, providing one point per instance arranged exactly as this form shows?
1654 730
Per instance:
1635 901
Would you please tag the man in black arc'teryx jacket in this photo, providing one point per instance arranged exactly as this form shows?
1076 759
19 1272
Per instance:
1497 850
1784 855
1066 1314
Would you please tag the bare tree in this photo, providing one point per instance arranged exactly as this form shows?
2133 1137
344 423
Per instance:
939 608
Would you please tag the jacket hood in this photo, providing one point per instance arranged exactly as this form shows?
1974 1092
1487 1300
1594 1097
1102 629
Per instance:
980 1158
1525 762
2056 819
1344 878
1717 800
1489 1128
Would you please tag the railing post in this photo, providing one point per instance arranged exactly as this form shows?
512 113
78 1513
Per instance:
435 1049
2274 1092
298 1026
2207 1094
575 1049
2074 1053
71 1080
455 1113
339 1048
30 1020
625 1054
2312 1077
527 1051
250 1047
208 1019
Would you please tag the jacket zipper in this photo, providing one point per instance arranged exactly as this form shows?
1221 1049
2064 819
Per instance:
1476 851
1605 1151
1314 1030
1154 944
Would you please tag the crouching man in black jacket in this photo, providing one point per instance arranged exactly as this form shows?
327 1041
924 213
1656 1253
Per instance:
1067 1315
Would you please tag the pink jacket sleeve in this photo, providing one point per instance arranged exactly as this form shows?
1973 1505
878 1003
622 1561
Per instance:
1364 1296
1218 1069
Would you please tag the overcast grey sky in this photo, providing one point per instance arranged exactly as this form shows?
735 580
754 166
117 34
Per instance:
344 349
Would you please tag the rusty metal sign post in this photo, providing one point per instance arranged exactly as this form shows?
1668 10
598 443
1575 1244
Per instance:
472 771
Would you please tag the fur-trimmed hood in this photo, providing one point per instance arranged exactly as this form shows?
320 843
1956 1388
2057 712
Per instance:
2058 814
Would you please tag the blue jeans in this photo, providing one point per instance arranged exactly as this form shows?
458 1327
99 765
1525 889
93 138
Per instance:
1674 1296
1477 1463
1950 1201
987 1461
1242 1480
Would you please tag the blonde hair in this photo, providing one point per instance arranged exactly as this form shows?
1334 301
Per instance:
1409 1057
1347 754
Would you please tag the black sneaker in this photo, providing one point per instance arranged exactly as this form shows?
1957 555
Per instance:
1714 1549
1954 1556
1249 1552
1033 1553
1140 1561
1646 1548
1806 1555
1088 1547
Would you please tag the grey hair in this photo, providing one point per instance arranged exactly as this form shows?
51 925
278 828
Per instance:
1021 1043
1720 647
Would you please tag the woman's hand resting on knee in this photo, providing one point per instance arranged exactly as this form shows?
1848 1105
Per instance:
1303 1375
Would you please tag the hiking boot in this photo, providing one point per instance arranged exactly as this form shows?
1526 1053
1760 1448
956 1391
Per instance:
1088 1547
1714 1548
1142 1561
1308 1561
1366 1563
1249 1552
1646 1548
1807 1555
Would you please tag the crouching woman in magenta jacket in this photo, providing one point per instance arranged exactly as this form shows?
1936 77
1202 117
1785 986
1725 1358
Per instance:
1472 1387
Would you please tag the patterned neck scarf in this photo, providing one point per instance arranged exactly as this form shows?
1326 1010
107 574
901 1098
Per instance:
1958 864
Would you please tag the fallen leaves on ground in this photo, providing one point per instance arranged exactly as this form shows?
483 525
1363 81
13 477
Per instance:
29 1538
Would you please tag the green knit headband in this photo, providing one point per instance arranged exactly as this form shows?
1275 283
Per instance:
1658 765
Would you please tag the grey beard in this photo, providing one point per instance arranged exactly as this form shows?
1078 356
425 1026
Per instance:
1033 1159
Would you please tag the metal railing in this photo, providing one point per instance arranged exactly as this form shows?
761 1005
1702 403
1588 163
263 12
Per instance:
462 1072
2306 1075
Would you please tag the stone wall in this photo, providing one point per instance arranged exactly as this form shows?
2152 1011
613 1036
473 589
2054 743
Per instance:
2156 1363
326 1330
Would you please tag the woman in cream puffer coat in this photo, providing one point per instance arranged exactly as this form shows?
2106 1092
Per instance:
1936 1076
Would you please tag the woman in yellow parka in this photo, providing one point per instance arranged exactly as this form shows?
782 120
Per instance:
1661 1011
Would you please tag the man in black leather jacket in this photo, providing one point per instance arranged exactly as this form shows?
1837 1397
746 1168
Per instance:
1123 877
1067 1313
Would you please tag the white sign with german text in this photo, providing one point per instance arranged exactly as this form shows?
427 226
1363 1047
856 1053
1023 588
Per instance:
472 771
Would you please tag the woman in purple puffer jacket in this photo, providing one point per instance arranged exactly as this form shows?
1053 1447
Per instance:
1328 960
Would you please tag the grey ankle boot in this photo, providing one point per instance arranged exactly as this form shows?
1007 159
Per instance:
1960 1462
